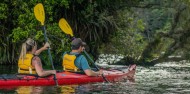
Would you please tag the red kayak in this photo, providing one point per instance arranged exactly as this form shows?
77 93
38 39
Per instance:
67 78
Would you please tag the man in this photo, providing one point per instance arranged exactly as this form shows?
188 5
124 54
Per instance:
75 61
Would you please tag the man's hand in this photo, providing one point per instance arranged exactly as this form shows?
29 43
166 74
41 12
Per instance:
100 72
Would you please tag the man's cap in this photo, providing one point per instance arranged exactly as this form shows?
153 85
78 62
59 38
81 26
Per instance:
77 42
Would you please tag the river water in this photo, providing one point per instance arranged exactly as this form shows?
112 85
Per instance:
163 78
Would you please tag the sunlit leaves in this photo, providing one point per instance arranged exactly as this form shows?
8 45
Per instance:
19 34
3 11
38 35
141 25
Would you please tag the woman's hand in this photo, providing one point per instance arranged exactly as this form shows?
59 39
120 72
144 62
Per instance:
46 46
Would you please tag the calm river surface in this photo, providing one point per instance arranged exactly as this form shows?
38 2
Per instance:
164 78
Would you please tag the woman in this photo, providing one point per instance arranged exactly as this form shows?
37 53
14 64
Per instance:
29 62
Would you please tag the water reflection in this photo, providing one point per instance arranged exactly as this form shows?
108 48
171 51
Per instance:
67 89
106 88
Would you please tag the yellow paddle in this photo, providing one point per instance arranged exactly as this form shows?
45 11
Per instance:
40 16
65 27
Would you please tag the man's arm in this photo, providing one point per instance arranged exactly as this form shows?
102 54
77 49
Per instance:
90 72
86 68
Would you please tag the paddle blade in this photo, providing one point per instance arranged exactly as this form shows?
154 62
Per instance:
65 27
39 13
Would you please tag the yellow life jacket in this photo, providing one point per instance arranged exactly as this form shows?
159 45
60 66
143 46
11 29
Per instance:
25 66
69 63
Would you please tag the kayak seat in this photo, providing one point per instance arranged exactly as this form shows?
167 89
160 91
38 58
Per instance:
23 74
34 76
77 72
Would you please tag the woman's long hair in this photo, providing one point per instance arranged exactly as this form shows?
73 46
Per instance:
26 47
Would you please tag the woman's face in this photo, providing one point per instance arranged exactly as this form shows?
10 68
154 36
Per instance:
34 48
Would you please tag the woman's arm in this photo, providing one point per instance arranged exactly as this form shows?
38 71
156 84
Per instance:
36 62
45 47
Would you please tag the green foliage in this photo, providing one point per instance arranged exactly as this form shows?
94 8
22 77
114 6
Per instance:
140 25
38 35
18 23
3 11
119 26
19 34
94 21
128 39
168 23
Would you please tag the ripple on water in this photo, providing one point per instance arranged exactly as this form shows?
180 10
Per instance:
165 78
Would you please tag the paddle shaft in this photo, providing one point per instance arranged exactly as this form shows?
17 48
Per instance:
95 65
40 16
49 53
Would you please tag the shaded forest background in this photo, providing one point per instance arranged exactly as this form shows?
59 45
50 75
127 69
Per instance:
145 32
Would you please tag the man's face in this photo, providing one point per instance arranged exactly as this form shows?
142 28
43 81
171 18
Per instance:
82 48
